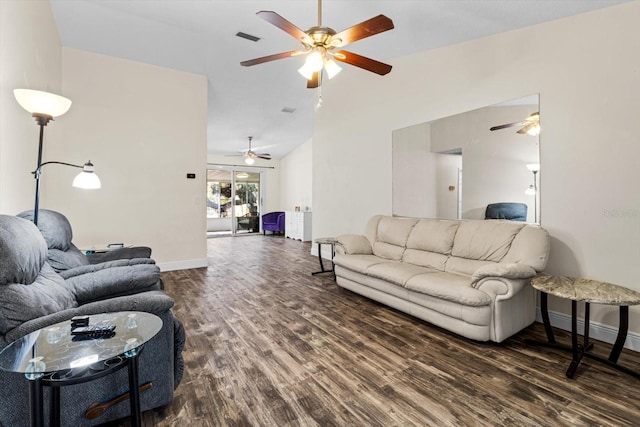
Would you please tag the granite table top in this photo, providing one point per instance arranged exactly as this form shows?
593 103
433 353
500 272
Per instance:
588 290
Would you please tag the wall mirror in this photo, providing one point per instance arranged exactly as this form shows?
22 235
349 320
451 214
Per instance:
455 166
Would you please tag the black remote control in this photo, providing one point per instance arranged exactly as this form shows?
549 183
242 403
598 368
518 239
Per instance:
97 331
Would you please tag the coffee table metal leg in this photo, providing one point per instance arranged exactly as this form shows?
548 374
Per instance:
54 415
36 402
134 392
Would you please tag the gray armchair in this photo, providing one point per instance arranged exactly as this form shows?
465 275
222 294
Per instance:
33 296
63 254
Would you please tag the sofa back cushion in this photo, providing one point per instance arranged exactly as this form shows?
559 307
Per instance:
488 240
391 238
54 226
530 247
430 243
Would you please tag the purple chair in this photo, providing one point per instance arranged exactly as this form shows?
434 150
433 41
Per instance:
274 222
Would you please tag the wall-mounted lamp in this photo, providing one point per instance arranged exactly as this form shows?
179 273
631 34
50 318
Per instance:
44 106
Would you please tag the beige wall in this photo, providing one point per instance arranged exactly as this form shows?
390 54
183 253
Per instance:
587 75
296 177
144 128
30 58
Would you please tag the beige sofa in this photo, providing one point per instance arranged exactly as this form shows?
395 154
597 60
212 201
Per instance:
470 277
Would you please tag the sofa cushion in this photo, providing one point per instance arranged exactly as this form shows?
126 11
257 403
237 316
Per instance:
397 272
448 286
359 263
464 266
23 250
425 259
433 235
484 240
392 237
531 247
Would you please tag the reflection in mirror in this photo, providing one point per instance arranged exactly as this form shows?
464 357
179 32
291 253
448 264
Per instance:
455 166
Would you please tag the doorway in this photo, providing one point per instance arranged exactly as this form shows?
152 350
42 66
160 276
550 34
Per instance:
233 202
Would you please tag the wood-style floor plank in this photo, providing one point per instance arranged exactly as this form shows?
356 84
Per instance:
268 344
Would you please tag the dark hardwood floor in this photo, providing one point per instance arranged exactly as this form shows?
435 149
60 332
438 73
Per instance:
270 345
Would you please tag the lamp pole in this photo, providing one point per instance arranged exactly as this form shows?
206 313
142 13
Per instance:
42 120
535 197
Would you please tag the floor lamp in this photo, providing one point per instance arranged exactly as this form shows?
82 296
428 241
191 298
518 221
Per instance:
533 189
44 106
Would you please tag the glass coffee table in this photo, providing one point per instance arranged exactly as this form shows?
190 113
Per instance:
52 357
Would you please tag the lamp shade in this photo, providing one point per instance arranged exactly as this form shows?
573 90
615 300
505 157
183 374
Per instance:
249 160
38 102
531 191
87 179
533 167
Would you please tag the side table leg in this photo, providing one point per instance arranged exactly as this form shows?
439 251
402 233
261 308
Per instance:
544 308
54 414
622 334
576 349
134 392
36 403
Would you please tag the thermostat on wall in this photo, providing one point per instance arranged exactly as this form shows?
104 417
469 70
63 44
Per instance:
191 176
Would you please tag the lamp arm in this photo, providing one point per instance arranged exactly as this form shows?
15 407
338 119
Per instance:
38 171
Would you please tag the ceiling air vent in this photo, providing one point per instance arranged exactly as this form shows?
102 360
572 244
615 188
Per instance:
247 36
288 110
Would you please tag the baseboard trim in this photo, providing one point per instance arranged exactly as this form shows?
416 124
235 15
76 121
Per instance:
597 331
183 265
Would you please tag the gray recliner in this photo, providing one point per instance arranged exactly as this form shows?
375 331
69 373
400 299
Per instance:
34 296
63 254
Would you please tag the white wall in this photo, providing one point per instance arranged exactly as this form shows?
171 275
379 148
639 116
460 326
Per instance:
414 172
587 76
144 128
30 58
296 178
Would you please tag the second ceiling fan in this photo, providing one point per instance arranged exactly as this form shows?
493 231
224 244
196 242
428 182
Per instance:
320 43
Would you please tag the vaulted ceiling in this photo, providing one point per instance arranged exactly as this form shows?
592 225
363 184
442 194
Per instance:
199 36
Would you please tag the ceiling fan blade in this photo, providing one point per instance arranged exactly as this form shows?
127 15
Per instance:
314 81
526 128
286 26
273 57
508 125
263 157
368 28
362 62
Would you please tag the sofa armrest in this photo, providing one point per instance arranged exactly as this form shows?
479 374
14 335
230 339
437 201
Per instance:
502 270
351 244
154 302
120 279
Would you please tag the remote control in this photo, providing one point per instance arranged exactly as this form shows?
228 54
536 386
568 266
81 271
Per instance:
98 331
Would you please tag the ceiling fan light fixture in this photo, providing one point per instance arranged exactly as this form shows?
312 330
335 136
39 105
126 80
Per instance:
534 130
306 71
249 160
315 61
332 68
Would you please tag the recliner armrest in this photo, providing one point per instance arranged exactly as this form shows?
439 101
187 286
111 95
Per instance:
116 280
122 253
154 302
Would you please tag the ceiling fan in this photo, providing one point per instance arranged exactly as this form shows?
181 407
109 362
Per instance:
250 156
320 43
530 125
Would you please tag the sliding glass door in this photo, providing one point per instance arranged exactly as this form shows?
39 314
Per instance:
233 202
